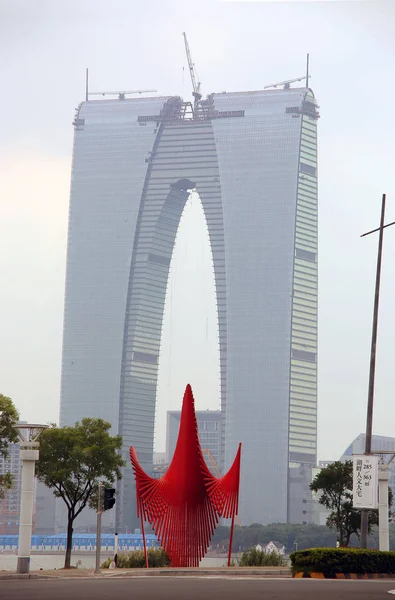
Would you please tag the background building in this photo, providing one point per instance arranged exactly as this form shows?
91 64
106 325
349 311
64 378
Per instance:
44 503
357 446
319 513
160 458
10 504
379 442
160 465
209 427
252 158
45 510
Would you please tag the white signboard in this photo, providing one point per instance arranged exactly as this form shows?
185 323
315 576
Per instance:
365 481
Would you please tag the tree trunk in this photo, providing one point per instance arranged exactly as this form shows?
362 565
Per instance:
69 544
341 537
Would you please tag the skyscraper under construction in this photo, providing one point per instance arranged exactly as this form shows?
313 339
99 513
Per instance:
252 157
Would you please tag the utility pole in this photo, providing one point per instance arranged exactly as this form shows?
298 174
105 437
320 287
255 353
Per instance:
372 372
98 527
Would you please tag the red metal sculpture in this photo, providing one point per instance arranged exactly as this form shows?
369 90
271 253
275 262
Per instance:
185 504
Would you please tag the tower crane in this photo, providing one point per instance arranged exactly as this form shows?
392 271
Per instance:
192 70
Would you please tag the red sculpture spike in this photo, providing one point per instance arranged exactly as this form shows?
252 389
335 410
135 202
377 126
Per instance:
184 505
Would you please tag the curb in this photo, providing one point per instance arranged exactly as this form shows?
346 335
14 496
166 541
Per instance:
237 573
22 576
304 575
198 573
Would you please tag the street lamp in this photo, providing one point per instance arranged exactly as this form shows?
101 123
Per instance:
29 445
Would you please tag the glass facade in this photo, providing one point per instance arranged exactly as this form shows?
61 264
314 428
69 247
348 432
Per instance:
303 379
10 503
252 159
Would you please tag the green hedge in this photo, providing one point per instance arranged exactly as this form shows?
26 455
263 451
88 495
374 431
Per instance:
157 557
330 561
257 558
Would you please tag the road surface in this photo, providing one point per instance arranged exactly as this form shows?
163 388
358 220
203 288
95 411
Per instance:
188 588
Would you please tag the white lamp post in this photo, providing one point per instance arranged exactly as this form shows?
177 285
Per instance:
29 445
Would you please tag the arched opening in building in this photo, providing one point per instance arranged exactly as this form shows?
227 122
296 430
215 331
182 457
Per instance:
189 351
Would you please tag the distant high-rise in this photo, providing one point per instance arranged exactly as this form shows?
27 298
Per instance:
252 157
379 442
10 504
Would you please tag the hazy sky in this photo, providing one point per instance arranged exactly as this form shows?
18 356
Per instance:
45 47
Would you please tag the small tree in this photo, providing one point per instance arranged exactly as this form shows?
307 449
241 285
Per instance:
9 417
73 461
333 484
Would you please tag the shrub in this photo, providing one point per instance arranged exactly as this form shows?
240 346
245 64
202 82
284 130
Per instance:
330 561
234 562
258 558
157 557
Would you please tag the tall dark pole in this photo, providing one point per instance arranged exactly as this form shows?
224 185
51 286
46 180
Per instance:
98 526
369 416
86 85
307 70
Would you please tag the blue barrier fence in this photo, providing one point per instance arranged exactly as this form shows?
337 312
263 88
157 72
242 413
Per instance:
81 541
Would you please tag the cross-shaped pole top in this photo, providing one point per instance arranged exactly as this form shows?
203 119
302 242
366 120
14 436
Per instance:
382 226
368 441
369 416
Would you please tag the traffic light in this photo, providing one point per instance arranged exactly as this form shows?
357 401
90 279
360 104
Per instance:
109 499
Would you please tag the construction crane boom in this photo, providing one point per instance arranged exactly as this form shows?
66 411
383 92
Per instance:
122 93
192 70
286 83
